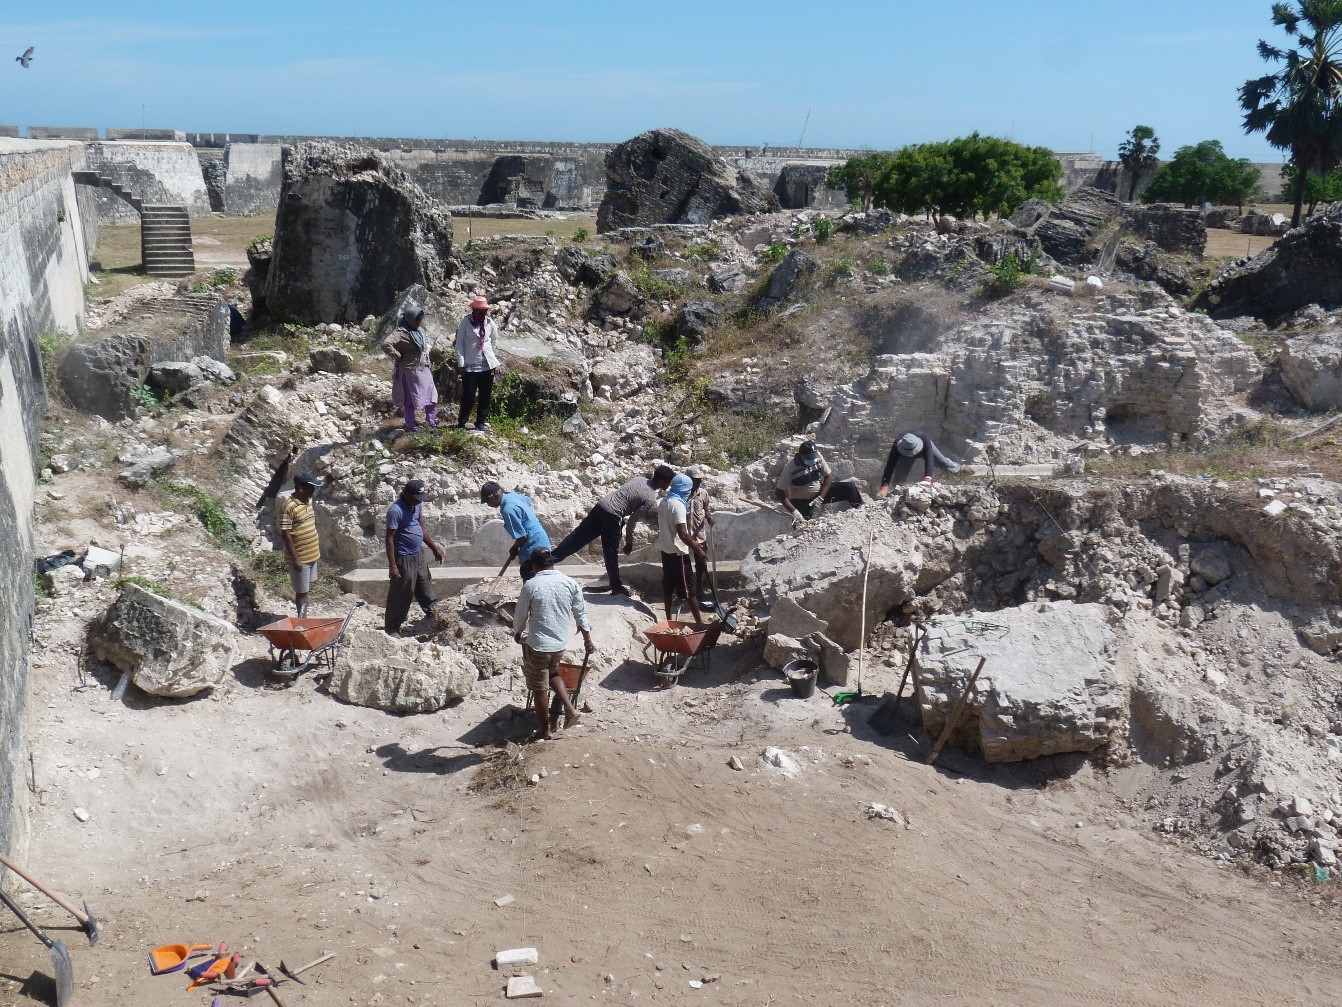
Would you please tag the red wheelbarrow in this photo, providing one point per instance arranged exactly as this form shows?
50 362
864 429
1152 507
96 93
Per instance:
678 644
320 637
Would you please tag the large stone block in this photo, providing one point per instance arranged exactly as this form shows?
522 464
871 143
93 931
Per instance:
352 230
1049 683
665 176
168 647
400 676
1311 369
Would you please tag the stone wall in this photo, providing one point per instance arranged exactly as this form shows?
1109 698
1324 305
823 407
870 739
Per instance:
252 174
156 171
43 268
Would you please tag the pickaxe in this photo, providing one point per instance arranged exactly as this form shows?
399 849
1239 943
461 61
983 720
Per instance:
86 919
294 973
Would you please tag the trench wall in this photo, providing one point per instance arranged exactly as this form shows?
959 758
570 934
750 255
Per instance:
43 269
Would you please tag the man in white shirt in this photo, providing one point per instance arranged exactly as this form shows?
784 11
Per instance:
676 544
543 609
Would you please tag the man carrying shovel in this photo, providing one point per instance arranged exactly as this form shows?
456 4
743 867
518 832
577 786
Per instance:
541 627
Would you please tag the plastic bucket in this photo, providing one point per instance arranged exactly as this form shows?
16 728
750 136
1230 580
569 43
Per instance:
801 676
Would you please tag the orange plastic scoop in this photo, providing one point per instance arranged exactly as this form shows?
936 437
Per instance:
171 957
202 975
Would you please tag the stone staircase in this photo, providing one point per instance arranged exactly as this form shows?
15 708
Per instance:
165 241
165 229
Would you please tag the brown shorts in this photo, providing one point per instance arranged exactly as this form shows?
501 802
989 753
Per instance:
539 667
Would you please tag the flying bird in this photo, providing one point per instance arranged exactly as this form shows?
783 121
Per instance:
26 58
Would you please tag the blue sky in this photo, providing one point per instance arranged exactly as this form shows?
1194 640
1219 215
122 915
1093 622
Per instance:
1072 75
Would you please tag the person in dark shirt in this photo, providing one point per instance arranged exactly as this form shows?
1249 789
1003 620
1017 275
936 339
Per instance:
624 506
908 447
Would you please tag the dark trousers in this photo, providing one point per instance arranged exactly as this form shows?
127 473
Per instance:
847 492
599 523
475 386
412 585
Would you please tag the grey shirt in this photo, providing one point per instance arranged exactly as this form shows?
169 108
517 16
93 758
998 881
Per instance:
634 499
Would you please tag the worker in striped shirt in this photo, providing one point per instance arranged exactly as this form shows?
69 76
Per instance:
298 528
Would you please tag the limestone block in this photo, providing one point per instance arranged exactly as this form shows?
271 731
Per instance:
665 176
400 675
1049 685
790 619
331 359
174 376
1311 369
169 647
781 650
1211 565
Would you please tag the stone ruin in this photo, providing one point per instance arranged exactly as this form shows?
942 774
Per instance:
352 231
665 176
99 373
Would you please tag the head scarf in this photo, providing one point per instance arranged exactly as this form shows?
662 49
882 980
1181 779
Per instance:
411 312
680 489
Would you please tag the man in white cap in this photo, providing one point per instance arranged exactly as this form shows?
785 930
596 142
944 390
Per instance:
476 362
908 447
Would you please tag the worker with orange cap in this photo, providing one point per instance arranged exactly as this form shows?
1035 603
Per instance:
476 363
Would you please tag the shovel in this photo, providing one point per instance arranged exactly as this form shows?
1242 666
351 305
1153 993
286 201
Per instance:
60 958
720 610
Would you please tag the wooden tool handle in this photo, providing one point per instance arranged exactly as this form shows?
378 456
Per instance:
955 713
5 861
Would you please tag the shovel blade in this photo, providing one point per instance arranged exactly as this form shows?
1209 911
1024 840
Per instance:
65 973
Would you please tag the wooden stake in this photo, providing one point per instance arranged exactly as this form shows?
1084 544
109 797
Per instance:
908 668
862 644
955 713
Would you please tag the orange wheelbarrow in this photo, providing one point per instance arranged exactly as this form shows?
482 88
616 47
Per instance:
677 645
320 637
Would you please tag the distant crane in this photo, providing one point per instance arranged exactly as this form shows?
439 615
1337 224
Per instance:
806 122
26 58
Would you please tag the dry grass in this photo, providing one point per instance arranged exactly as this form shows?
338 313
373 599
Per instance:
502 769
481 227
1224 244
1258 452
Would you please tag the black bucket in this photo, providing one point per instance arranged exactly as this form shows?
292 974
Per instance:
801 676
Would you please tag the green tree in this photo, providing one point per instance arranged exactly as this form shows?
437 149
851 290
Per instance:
1318 189
1299 107
1203 173
1137 153
968 176
857 176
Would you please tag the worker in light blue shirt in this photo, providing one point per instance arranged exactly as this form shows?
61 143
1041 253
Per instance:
521 522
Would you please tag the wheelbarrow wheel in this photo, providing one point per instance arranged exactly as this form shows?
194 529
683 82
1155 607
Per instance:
289 666
670 667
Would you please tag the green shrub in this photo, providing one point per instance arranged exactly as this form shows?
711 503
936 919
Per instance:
775 253
842 268
676 358
581 234
225 277
703 251
1004 275
879 267
823 229
210 512
448 442
51 345
142 395
654 288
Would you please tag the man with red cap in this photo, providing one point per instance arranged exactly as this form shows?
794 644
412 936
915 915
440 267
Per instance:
476 363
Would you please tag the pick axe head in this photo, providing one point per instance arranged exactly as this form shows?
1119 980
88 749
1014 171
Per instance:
91 925
290 973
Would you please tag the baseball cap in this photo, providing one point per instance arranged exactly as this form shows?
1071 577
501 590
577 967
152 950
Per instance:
488 490
807 450
695 471
414 489
307 479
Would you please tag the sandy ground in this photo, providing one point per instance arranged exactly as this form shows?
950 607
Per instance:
641 865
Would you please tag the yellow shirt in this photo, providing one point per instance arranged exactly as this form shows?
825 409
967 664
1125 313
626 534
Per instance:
300 521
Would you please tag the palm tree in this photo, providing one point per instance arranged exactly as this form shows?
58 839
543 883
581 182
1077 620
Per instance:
1138 153
1299 107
